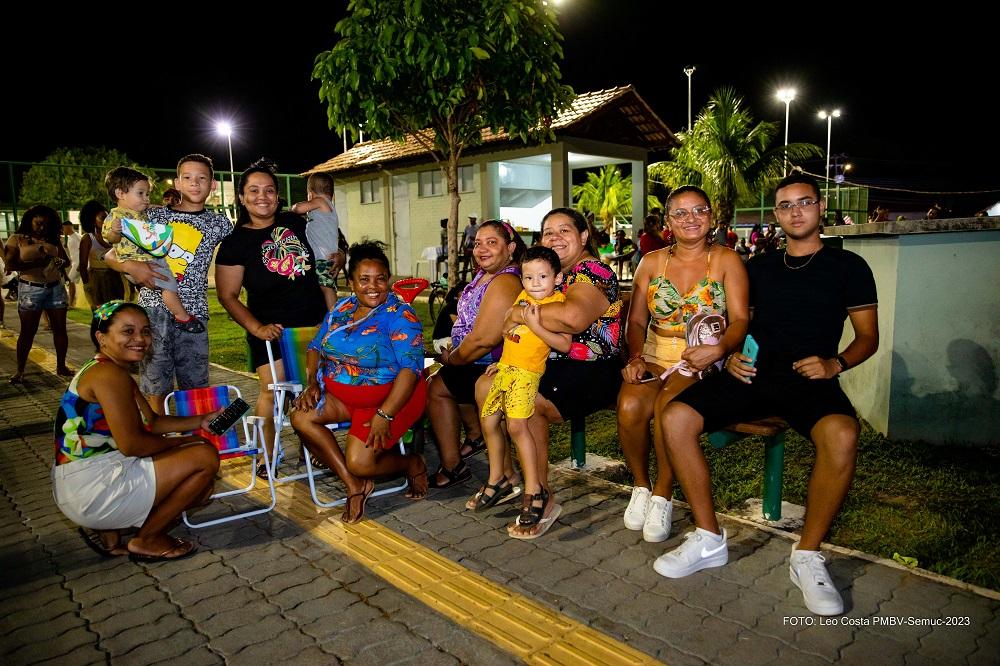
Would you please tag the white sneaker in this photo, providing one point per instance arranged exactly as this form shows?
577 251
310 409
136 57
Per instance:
635 514
807 569
658 518
701 550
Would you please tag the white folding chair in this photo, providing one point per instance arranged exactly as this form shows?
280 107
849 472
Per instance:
201 401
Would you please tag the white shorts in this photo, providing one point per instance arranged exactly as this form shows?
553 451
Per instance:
110 491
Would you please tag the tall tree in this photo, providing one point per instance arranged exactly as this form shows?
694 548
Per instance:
728 155
608 196
78 178
442 71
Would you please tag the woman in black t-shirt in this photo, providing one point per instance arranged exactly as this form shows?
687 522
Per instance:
268 255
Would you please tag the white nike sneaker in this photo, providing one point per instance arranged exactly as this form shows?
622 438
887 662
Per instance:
658 518
701 550
807 569
635 514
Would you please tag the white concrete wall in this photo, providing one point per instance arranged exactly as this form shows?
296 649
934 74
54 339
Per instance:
935 376
867 384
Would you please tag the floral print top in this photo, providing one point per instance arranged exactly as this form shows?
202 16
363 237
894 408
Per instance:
602 339
669 310
372 350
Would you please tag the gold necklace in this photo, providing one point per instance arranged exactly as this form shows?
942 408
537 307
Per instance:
795 268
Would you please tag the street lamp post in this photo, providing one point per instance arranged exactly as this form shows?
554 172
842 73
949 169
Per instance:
828 117
226 130
786 95
689 71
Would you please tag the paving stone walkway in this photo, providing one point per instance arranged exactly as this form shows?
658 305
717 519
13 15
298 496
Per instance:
268 589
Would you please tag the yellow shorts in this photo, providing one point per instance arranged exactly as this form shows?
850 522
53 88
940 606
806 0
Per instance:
513 392
664 352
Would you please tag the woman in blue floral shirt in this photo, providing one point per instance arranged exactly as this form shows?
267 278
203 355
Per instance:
366 367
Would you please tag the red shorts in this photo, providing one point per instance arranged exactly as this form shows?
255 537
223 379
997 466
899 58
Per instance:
363 401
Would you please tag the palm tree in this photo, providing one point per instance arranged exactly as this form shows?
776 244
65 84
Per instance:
607 195
727 155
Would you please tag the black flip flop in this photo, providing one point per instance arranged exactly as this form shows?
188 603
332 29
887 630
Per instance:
162 557
459 474
93 539
475 446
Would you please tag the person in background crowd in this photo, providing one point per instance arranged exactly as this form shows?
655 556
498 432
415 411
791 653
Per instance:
100 283
36 252
71 241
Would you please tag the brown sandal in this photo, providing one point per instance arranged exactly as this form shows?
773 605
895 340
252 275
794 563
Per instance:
413 494
365 493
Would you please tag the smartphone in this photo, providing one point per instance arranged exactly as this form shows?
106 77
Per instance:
750 349
229 416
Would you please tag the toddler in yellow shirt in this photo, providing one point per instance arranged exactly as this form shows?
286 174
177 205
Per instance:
516 377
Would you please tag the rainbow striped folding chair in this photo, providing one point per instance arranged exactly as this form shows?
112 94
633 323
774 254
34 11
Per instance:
230 444
293 343
289 383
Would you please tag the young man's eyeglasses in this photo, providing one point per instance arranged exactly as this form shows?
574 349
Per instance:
682 214
786 206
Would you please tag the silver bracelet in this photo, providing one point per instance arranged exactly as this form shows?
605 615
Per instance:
379 412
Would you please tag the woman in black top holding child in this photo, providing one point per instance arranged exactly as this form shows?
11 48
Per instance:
269 256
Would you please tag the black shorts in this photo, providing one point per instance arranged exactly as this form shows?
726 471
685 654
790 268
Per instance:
460 380
579 388
258 351
723 400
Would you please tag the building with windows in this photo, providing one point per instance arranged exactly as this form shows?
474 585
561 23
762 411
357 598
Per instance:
395 192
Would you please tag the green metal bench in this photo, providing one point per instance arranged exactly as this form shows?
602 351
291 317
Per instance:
772 429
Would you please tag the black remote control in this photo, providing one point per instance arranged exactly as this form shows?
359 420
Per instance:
229 416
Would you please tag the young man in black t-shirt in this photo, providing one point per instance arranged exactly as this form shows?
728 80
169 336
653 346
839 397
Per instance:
799 300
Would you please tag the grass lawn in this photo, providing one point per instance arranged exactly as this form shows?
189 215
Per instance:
935 503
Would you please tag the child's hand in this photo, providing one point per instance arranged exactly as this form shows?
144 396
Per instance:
297 208
533 315
491 370
116 225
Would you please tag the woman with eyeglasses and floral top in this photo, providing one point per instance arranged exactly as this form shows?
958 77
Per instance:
670 286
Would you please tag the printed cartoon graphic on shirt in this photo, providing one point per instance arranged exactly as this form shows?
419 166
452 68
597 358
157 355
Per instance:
285 254
185 243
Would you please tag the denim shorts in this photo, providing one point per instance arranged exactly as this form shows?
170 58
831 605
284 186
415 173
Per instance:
34 298
176 355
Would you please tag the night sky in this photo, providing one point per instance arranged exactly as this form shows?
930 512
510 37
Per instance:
911 119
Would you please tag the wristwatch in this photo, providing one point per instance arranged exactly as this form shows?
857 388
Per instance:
842 362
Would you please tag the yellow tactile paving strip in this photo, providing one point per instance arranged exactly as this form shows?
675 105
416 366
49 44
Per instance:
515 623
526 629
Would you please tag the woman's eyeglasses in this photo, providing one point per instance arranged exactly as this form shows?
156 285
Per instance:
682 214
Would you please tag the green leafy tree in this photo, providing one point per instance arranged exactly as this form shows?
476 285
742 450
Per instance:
442 71
728 155
608 196
78 178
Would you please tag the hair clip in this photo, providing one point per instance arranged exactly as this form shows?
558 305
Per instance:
105 310
510 229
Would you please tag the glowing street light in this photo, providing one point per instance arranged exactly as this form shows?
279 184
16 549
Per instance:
225 129
828 117
786 95
689 71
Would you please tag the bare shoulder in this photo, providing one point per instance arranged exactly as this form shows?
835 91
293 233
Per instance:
104 378
503 287
728 259
654 260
